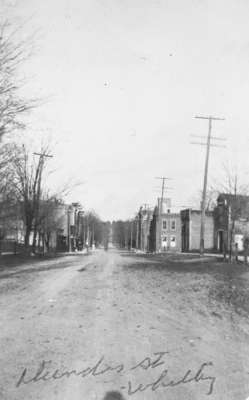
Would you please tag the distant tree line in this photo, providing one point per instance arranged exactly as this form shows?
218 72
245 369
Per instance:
124 233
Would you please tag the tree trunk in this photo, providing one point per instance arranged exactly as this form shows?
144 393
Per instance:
47 241
236 252
34 240
27 236
43 243
231 241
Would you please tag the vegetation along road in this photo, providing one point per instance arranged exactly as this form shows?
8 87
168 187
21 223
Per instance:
148 327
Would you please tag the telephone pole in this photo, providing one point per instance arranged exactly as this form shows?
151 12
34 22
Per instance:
131 238
208 144
137 231
40 169
38 193
163 179
93 237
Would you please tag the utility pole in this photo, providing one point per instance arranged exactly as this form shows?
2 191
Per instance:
144 208
137 231
84 231
39 171
93 238
69 211
204 191
80 229
163 179
131 234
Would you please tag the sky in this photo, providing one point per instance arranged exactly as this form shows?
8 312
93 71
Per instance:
122 82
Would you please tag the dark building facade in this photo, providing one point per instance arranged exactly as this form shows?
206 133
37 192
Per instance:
152 234
143 222
231 220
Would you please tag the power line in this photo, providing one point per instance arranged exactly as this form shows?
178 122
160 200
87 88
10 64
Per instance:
204 144
212 137
43 155
208 144
163 179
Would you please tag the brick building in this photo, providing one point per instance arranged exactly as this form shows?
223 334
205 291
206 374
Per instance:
191 226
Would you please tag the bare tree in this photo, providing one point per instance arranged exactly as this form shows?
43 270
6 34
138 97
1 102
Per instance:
26 186
92 228
13 53
121 233
50 221
237 205
211 197
9 210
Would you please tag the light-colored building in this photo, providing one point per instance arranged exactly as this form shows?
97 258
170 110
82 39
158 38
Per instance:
168 228
191 227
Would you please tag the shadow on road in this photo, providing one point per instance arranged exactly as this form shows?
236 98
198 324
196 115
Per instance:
37 264
113 396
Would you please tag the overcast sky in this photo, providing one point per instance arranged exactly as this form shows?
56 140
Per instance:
125 79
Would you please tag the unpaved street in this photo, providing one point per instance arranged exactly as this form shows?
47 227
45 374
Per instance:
76 327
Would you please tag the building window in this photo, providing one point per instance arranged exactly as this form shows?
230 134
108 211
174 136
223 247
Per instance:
173 225
172 241
164 224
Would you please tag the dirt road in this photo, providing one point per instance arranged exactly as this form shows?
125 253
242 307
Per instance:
76 327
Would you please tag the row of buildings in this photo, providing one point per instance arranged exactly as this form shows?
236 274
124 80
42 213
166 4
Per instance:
163 229
64 228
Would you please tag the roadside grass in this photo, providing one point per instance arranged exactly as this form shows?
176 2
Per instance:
213 280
